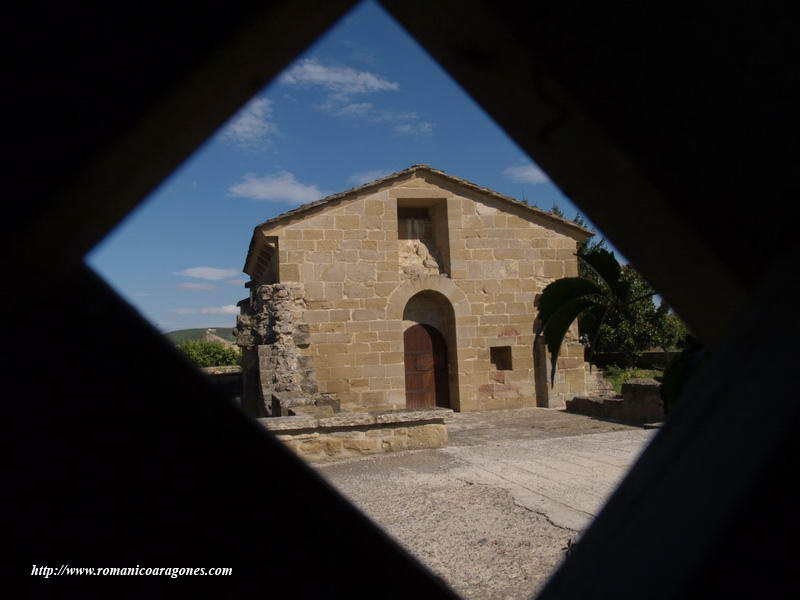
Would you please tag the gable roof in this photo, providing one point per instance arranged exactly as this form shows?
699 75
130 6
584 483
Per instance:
300 211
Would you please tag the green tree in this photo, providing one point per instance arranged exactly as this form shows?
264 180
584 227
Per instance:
640 327
209 354
653 327
675 335
614 307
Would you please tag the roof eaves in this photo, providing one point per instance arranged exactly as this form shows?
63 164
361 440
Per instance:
322 202
509 199
338 196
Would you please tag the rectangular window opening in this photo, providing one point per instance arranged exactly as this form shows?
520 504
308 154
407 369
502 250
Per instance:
422 231
501 357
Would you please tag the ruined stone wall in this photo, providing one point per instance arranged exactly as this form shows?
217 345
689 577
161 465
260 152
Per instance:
272 336
347 258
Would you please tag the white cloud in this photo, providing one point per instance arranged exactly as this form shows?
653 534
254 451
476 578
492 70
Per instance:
250 127
395 117
340 81
341 84
354 110
404 122
211 273
280 187
367 176
423 128
189 285
228 309
526 173
239 282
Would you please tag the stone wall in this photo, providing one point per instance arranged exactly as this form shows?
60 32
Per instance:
640 402
345 256
228 379
643 402
648 360
596 383
360 434
272 336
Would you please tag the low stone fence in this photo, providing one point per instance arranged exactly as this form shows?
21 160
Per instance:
359 434
639 403
642 401
648 360
229 379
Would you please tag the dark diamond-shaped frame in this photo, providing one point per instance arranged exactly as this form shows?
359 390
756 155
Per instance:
665 128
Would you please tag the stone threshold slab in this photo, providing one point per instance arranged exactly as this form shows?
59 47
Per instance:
351 420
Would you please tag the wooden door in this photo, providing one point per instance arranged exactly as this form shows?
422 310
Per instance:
426 368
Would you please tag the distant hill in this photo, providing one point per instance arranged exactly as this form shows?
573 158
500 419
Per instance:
181 335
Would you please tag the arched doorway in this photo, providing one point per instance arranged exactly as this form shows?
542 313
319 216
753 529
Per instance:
427 373
429 343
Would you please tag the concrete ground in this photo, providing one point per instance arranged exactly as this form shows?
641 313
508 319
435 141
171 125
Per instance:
492 513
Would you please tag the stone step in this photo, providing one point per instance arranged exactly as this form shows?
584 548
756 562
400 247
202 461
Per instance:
311 411
596 382
640 402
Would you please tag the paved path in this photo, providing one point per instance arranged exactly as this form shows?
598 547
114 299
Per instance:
567 479
493 511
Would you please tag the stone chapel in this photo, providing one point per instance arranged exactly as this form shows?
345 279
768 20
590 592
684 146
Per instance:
416 290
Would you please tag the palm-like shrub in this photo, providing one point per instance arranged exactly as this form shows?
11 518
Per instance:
606 292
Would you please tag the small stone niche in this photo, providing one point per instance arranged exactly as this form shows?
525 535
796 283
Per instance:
501 357
424 242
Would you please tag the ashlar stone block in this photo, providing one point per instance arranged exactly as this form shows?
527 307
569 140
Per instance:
348 222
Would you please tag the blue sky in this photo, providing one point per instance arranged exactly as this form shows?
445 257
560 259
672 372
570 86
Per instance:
362 102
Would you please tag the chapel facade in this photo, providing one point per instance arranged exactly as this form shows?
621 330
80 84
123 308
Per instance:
413 291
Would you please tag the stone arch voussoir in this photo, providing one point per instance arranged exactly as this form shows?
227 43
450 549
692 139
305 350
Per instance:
435 283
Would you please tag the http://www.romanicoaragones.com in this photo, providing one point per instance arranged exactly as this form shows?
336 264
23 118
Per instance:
173 572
